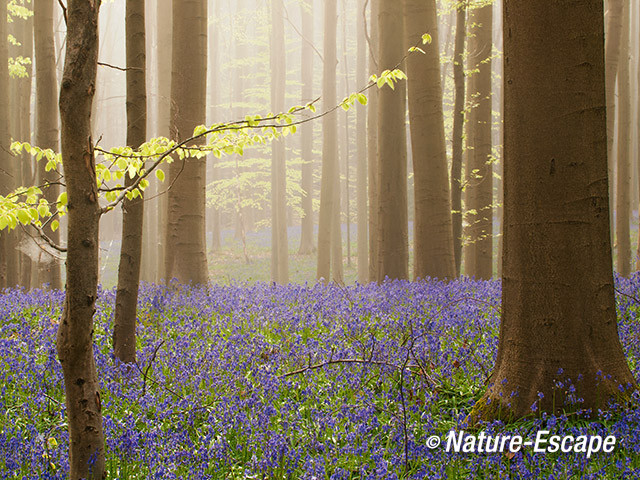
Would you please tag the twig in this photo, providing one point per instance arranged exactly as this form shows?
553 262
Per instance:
64 11
145 373
115 67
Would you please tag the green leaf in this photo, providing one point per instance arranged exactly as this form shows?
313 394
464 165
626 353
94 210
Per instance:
426 38
54 225
62 198
24 217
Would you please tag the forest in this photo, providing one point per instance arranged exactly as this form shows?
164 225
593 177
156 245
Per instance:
319 239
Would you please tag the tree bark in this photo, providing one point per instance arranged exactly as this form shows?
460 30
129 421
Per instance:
623 175
433 232
279 240
558 309
306 131
75 333
47 125
392 150
361 144
478 254
458 133
186 258
613 37
329 186
9 272
372 144
124 333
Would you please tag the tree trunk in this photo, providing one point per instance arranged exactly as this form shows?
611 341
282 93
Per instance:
306 131
47 130
623 175
75 333
279 240
392 150
186 258
479 190
361 144
433 233
9 273
213 113
124 333
372 144
613 37
558 309
458 133
329 179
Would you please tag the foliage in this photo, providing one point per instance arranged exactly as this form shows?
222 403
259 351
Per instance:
214 395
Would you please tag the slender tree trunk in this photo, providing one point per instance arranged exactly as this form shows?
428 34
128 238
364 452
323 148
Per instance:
213 218
124 334
279 240
458 133
75 333
372 144
623 176
8 166
306 131
392 150
558 311
47 130
186 258
433 233
361 143
479 189
164 15
613 37
329 198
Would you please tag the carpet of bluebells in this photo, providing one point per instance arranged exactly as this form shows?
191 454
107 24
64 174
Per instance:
297 382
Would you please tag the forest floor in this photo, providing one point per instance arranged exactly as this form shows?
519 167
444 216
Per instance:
297 382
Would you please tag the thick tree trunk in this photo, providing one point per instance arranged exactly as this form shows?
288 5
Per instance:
279 240
433 233
186 258
623 174
558 309
329 198
372 144
9 273
361 144
47 130
478 254
393 261
75 333
124 333
458 133
306 131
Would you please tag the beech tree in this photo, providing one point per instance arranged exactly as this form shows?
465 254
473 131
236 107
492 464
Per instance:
124 333
558 311
433 232
47 125
393 235
186 258
372 146
478 252
75 333
361 144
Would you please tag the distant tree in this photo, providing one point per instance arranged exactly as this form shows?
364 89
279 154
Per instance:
361 144
393 236
46 127
124 333
9 267
186 258
433 232
623 173
372 146
558 308
478 253
329 249
306 131
279 240
458 131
